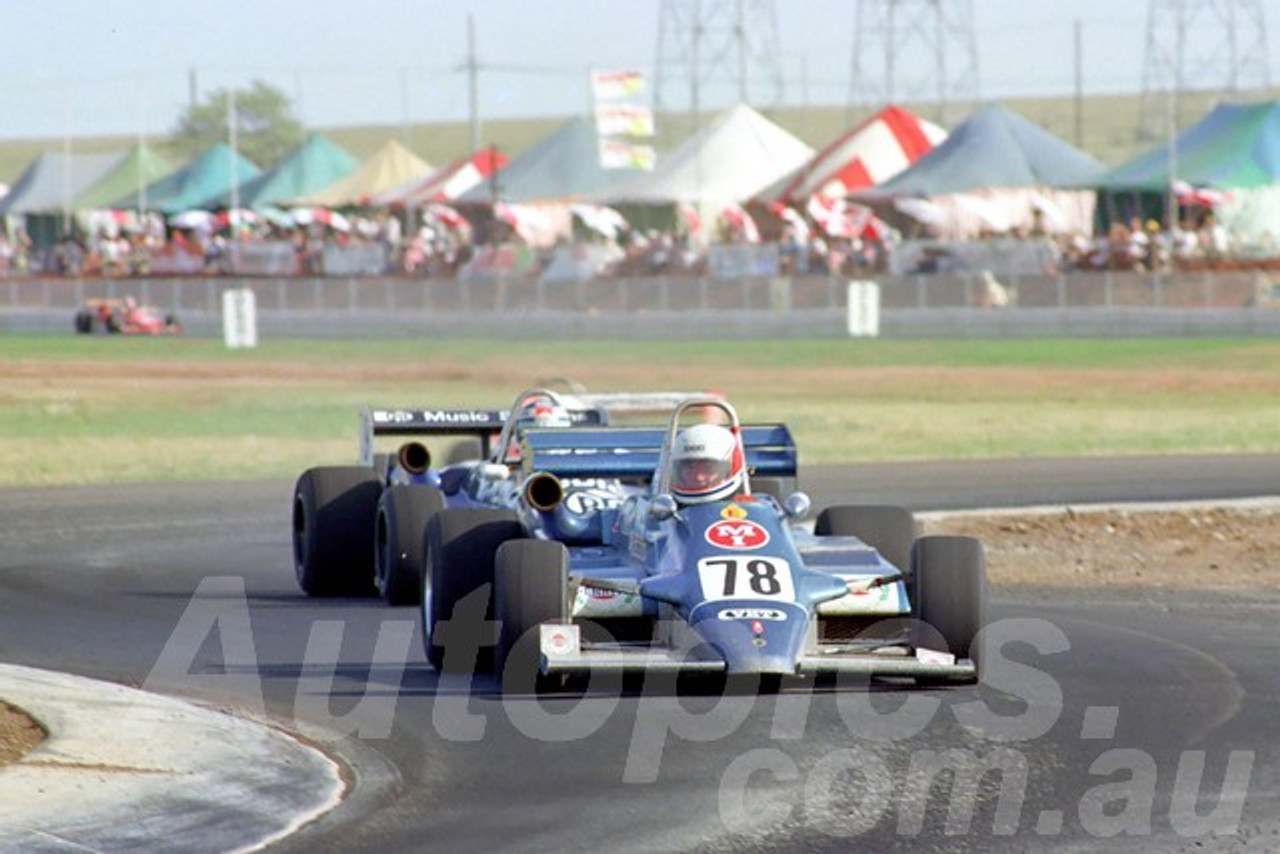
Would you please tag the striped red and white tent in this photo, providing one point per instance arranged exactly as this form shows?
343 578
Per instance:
445 184
870 153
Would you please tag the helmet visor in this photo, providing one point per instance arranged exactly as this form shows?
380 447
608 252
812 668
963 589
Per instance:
700 473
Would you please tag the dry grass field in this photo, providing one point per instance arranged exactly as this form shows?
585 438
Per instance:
1106 126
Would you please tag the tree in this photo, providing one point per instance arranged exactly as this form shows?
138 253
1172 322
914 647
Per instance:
265 128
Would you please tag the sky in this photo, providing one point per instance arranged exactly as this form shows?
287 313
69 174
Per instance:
80 68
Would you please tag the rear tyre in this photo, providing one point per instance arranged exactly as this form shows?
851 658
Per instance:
778 487
464 450
888 530
531 588
949 591
84 322
460 548
333 513
399 535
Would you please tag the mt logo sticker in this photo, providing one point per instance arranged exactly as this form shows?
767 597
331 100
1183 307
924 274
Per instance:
738 534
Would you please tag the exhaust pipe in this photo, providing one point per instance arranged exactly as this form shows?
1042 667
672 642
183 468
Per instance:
543 491
413 457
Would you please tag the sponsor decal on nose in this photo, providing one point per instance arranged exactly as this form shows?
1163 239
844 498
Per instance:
737 534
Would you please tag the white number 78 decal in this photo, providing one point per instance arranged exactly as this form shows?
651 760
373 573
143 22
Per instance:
746 578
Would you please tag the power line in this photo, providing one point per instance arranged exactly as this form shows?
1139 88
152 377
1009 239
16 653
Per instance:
914 50
730 46
1200 45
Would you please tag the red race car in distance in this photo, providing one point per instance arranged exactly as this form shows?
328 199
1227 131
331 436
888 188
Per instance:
124 317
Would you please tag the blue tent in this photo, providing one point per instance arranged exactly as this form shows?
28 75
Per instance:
52 181
995 148
562 166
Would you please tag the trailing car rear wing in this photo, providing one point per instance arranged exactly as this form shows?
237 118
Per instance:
484 424
634 402
631 452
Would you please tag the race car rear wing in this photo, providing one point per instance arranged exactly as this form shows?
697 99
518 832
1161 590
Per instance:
484 424
634 452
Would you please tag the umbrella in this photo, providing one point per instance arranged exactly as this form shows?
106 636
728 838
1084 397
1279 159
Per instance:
323 216
737 216
792 217
447 216
277 217
191 219
602 220
837 217
1049 210
1205 197
921 210
236 217
988 212
524 220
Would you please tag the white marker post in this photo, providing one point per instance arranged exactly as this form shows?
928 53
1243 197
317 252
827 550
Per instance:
864 309
240 318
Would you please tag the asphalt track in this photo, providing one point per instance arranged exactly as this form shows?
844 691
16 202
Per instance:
1130 721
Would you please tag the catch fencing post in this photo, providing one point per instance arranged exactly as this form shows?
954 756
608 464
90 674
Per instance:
780 295
239 318
864 309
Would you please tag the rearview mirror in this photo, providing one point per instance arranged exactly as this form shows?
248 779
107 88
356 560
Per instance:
797 505
662 507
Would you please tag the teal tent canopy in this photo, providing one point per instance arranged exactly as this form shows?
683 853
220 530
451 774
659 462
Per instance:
1235 146
201 182
317 163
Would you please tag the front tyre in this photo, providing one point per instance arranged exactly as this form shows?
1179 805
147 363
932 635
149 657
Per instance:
949 591
399 536
457 596
531 587
333 513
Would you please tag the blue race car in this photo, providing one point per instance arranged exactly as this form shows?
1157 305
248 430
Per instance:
358 530
687 569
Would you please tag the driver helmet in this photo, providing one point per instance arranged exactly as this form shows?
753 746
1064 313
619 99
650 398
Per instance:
706 464
543 413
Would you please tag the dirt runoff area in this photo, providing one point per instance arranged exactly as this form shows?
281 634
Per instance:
1235 546
1231 547
18 734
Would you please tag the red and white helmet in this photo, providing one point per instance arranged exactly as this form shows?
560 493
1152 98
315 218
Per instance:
543 413
706 464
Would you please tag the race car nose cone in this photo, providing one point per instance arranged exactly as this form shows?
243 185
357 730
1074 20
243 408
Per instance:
754 636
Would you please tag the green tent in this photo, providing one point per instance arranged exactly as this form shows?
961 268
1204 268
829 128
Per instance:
317 163
198 183
122 187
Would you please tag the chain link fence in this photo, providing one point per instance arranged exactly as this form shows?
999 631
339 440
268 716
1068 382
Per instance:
816 303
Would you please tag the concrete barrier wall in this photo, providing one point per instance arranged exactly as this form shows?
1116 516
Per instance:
675 308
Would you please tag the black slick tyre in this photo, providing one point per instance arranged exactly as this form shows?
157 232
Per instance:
889 530
949 593
460 548
333 513
531 587
399 536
